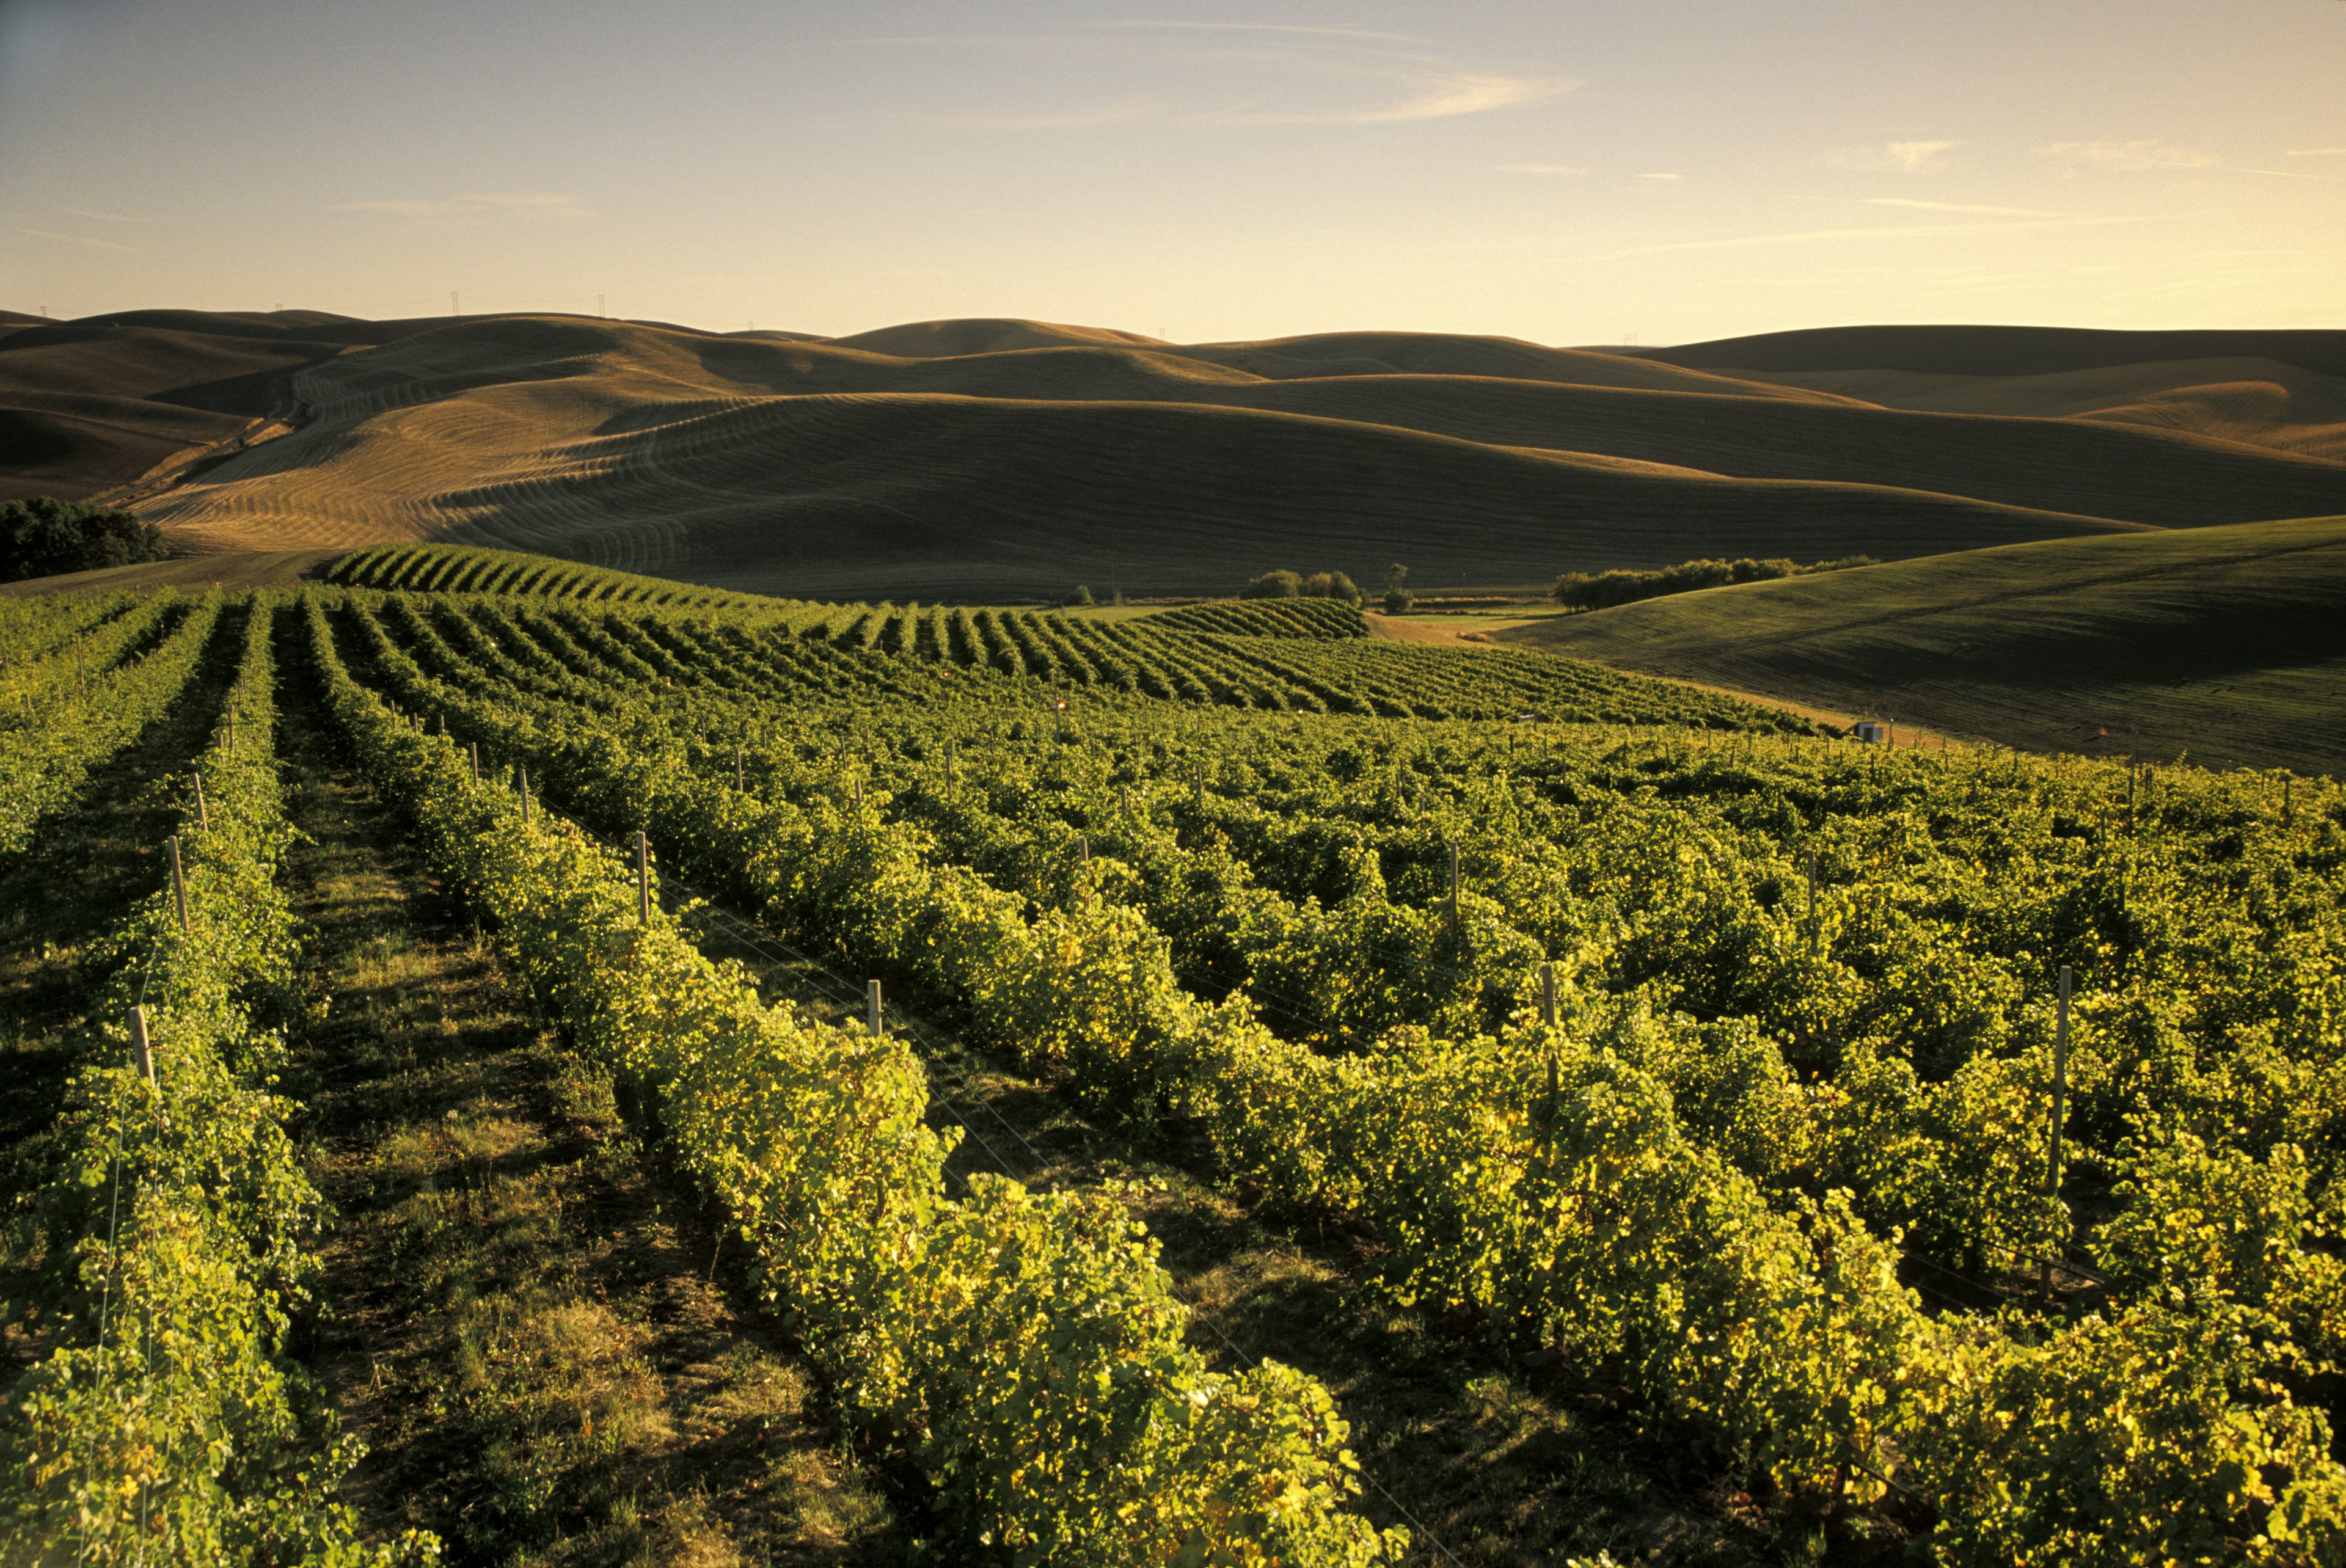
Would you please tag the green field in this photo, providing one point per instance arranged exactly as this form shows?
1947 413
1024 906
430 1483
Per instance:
2225 644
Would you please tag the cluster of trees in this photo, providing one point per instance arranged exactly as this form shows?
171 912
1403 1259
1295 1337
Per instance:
1579 591
45 535
1285 584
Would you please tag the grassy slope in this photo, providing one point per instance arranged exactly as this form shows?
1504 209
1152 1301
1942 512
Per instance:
2225 642
88 404
250 569
2281 390
1567 400
2001 351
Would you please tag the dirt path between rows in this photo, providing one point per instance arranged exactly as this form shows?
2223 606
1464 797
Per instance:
526 1324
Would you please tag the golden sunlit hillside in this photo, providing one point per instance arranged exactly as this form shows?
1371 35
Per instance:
976 458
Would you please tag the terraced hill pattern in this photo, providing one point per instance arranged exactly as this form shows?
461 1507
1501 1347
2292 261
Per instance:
977 459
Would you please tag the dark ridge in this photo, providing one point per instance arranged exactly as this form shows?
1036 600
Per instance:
1999 350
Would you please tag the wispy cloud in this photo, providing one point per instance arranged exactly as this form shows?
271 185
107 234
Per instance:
1901 157
1250 27
1540 169
1824 235
2143 153
2154 154
1913 204
104 217
538 203
1256 74
1426 94
1661 177
2316 152
78 240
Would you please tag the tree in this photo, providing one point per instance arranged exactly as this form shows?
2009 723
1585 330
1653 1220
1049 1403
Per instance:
1281 585
1082 595
1399 600
44 536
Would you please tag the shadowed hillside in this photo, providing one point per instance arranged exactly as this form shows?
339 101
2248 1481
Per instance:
2226 643
1003 459
669 453
2281 390
92 404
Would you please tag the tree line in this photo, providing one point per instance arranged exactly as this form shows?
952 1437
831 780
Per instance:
1581 591
1285 584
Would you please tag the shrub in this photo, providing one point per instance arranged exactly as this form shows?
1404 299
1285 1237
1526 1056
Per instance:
1332 586
1273 585
45 535
1399 600
1082 595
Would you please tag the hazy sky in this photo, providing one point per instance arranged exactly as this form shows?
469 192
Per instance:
1566 172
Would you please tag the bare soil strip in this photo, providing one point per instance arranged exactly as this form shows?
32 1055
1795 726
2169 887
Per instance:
526 1319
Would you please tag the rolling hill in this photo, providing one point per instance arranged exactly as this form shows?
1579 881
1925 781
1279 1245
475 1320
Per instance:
1002 459
2224 643
2281 390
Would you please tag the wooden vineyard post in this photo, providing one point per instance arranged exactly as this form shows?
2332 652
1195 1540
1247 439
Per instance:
1547 995
1124 799
1084 847
525 814
444 724
476 762
1454 917
949 764
142 1056
178 885
2060 1088
643 880
203 816
739 782
859 791
1813 900
872 1004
